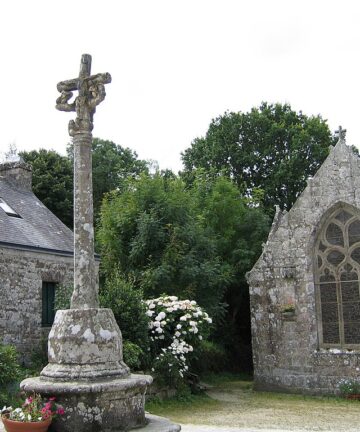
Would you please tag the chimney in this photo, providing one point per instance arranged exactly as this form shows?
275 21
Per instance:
17 172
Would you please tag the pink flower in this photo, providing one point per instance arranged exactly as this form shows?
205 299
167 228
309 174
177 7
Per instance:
48 405
60 411
52 398
28 401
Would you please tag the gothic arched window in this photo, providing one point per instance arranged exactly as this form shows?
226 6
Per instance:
337 277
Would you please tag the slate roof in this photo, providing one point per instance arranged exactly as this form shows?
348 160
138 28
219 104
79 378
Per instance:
37 228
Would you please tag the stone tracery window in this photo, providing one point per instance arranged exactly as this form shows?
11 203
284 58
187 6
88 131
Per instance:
337 278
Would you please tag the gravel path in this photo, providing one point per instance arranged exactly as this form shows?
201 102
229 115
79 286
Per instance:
239 409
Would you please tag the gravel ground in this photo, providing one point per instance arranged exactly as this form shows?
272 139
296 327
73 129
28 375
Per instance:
239 409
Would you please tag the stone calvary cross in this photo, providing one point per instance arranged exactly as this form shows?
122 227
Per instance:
86 371
91 91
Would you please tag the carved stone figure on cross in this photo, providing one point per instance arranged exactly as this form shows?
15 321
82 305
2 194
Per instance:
91 92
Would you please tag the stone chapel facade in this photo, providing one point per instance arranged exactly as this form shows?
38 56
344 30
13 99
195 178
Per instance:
305 287
36 254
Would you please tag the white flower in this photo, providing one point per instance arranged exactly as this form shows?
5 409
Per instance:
160 316
162 337
200 337
151 306
193 302
177 334
192 323
159 330
163 323
170 309
183 318
150 313
178 327
156 324
209 320
29 417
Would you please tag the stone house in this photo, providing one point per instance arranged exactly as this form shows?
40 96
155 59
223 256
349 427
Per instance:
36 254
304 289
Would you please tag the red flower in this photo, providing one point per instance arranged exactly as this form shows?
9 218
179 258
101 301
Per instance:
52 398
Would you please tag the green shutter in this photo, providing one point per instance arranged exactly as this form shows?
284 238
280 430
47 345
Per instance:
48 300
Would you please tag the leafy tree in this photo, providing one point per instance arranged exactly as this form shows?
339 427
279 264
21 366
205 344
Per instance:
193 242
240 227
52 182
271 148
111 164
151 232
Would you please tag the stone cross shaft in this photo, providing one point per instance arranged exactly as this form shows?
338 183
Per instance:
91 91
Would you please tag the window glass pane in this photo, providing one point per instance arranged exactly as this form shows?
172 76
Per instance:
343 216
354 232
335 257
352 333
334 235
48 300
328 292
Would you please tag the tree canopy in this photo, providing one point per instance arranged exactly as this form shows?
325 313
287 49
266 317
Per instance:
52 182
193 242
111 164
271 148
53 175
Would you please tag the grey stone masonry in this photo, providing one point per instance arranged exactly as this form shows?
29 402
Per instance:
18 174
305 305
35 248
22 273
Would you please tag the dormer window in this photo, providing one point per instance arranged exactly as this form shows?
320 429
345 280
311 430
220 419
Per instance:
7 209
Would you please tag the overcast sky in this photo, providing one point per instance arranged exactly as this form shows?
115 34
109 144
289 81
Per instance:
175 65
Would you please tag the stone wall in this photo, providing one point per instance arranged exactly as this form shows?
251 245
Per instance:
286 350
21 275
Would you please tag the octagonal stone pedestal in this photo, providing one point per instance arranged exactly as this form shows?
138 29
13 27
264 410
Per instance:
99 405
88 377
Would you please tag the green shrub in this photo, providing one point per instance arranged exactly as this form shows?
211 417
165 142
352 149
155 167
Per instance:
9 365
132 355
63 296
10 372
210 357
129 310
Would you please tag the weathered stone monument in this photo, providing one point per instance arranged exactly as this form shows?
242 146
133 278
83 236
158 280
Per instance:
86 372
305 290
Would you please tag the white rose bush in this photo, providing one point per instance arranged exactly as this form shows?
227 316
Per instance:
176 328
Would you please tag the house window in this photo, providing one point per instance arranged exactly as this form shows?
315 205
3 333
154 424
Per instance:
7 209
337 278
48 303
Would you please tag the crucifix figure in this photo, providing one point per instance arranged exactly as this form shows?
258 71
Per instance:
91 91
341 133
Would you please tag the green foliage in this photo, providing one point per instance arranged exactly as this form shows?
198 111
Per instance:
10 372
63 295
52 182
112 164
9 365
210 357
132 355
271 148
154 232
349 387
125 300
191 242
